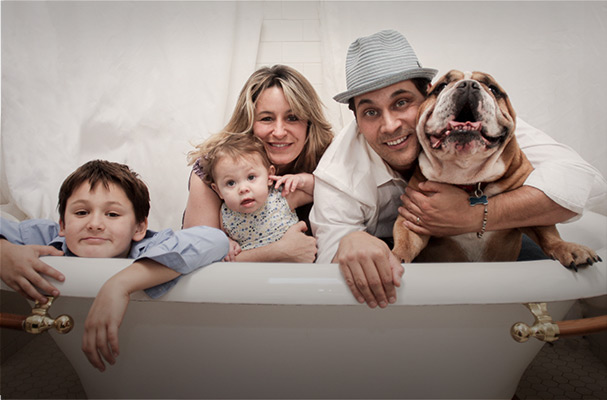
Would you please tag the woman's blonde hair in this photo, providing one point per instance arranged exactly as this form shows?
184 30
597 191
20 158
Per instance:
233 145
304 102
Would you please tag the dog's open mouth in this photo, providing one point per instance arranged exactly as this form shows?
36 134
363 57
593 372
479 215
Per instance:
463 129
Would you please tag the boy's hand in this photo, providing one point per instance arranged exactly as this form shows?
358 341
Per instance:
235 250
22 269
100 339
289 183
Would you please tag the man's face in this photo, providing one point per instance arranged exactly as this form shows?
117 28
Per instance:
100 222
386 117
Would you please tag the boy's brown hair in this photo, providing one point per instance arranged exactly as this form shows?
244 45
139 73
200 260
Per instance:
106 172
232 145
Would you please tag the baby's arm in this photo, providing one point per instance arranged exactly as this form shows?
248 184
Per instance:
298 189
100 339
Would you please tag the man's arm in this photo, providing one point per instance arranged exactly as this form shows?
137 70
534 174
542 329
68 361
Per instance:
369 268
560 187
444 210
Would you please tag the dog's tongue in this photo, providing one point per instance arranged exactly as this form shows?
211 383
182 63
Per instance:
473 126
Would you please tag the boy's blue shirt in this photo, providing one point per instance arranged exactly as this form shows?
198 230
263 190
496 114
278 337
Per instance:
183 251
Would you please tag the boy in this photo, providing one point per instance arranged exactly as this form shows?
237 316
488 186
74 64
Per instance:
103 208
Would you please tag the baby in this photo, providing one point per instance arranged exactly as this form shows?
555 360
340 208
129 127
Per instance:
254 212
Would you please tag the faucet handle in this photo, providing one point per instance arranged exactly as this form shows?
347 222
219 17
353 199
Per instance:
39 320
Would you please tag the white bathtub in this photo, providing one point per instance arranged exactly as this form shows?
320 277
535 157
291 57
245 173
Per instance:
294 331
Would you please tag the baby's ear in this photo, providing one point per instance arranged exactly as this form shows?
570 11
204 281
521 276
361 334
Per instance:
61 227
216 189
271 171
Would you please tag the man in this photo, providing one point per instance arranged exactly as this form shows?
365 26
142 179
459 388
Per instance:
362 176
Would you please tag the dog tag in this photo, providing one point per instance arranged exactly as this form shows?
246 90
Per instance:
478 200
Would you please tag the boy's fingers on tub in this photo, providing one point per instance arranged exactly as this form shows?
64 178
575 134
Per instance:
37 279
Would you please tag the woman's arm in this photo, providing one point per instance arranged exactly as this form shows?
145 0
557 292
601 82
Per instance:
203 205
295 246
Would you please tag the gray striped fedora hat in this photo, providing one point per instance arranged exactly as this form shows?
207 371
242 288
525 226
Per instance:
380 60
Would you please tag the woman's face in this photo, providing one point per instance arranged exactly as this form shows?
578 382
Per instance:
282 133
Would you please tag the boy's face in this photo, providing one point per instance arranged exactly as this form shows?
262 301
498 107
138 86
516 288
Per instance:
242 183
100 223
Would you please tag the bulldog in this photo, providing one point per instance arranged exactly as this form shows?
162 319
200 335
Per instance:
466 131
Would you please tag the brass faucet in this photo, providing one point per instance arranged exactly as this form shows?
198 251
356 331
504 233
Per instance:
40 321
542 329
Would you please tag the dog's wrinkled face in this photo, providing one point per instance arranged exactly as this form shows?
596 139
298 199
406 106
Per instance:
466 120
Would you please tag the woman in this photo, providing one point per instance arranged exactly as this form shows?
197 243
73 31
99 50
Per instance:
278 105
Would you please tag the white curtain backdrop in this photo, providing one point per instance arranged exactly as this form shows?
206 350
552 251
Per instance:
133 82
550 57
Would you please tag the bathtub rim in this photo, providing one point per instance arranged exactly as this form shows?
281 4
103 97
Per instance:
322 284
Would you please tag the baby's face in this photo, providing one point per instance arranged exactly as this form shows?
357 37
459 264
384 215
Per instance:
100 222
242 183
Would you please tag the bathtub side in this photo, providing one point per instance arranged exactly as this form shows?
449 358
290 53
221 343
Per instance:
188 350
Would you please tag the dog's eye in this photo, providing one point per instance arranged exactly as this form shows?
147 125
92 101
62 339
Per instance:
496 92
439 88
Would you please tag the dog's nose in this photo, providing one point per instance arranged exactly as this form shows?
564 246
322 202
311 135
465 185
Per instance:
469 85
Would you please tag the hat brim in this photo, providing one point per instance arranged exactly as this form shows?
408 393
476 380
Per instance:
427 73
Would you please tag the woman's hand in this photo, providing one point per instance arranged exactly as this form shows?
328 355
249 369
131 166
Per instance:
296 246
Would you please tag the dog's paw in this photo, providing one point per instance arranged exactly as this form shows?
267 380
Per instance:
402 253
573 255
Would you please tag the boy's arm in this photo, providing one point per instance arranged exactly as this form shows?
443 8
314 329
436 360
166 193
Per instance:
183 251
160 260
100 339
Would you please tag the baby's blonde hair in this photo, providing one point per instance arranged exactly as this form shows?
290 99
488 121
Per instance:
227 144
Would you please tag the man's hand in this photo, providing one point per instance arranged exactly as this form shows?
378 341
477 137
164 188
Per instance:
22 269
442 209
370 269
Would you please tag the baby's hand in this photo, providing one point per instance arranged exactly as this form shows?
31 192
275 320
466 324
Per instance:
234 251
290 183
